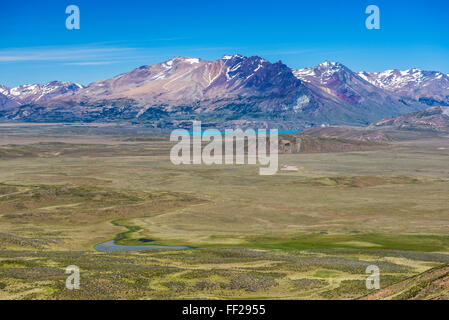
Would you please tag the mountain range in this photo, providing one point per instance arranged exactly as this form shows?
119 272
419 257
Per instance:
231 91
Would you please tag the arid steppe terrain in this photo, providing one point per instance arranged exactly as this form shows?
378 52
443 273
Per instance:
308 234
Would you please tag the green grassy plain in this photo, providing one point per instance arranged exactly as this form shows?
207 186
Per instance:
296 235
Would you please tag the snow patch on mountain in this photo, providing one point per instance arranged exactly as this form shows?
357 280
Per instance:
301 102
304 74
229 57
323 72
193 60
34 92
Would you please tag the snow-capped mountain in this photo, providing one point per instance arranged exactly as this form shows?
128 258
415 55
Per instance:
338 81
429 87
187 80
349 89
34 93
231 90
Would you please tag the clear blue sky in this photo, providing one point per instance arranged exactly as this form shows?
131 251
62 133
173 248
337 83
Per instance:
117 36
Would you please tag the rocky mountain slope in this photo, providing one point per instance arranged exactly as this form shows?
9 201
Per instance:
304 143
430 285
432 119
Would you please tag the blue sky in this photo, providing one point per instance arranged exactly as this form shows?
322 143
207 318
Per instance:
118 36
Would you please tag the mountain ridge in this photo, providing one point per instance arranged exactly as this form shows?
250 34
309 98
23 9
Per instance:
435 119
233 90
429 87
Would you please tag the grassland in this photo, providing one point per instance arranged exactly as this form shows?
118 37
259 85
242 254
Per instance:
296 235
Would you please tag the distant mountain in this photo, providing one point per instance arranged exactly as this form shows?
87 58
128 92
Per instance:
26 94
188 81
228 92
363 100
428 87
434 119
5 102
341 83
